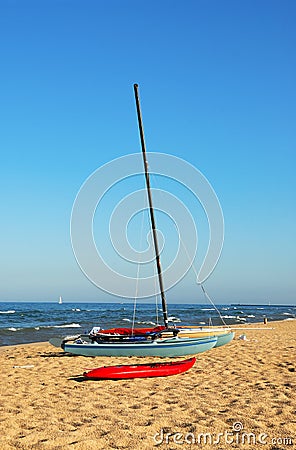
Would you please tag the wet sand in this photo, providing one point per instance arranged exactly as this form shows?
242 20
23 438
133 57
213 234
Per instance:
242 395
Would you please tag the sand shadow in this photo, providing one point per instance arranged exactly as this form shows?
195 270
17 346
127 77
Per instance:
78 378
58 355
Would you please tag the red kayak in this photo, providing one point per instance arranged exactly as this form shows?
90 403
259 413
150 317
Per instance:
161 369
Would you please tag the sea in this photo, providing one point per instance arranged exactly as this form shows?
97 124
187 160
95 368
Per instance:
38 322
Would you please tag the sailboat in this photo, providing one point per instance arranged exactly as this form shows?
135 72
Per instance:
162 341
60 301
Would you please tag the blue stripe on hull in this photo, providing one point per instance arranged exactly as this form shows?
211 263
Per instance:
165 348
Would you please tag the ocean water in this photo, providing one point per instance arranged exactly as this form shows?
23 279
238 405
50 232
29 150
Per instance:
36 322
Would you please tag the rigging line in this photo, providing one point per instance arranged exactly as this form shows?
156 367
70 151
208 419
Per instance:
138 274
156 296
212 303
195 271
193 267
157 303
134 315
201 285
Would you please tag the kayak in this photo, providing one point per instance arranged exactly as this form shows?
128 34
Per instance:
161 369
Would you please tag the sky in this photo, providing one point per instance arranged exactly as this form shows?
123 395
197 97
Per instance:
217 88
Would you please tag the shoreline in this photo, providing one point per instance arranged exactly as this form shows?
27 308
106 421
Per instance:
4 347
26 323
235 327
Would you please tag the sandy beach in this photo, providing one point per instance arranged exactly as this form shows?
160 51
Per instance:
242 395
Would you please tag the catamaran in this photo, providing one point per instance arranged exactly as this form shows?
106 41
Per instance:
164 341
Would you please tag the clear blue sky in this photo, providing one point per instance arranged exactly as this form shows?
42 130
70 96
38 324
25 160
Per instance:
217 83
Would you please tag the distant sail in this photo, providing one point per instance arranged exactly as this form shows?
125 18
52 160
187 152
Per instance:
60 301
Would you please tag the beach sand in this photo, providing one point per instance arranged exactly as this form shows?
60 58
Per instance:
242 395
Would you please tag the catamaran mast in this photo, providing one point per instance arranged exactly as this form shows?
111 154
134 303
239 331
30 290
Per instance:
153 225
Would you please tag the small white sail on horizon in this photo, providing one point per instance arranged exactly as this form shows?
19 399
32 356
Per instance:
60 301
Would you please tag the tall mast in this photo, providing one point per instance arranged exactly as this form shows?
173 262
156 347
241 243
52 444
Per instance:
153 225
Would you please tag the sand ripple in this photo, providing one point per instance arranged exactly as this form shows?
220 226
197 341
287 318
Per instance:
248 384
